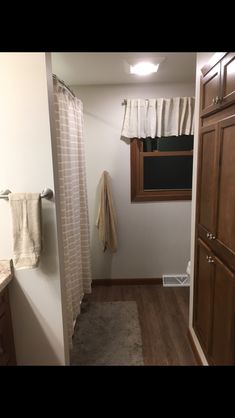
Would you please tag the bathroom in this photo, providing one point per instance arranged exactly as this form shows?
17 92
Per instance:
154 238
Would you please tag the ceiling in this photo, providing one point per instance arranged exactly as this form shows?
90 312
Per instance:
79 68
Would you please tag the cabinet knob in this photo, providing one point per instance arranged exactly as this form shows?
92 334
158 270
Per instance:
209 235
209 259
217 99
213 100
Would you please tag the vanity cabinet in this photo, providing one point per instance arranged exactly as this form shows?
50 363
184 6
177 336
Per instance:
7 349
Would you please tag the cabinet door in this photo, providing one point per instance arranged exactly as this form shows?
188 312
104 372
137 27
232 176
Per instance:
203 292
207 177
228 79
7 349
223 330
4 341
210 90
225 231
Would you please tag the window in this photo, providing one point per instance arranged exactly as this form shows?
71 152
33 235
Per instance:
161 168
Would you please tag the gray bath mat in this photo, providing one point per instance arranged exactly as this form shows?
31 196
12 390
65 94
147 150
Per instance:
107 333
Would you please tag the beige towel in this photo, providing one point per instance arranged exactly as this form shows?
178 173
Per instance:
106 219
26 221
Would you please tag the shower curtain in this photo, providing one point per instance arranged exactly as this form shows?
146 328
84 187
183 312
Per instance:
73 199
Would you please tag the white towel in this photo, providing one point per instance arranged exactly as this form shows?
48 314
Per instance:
26 222
106 219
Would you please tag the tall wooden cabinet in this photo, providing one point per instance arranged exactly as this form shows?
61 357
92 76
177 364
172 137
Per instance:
214 288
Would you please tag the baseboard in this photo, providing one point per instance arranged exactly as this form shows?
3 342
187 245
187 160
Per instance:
111 282
194 348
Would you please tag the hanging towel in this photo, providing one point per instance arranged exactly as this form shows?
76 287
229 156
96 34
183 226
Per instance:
106 220
26 222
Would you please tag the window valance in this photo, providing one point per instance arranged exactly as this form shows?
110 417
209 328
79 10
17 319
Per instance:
159 117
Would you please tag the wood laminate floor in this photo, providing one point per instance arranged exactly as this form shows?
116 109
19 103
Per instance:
163 315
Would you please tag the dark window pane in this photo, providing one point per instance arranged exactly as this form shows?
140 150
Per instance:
173 172
150 144
169 143
176 143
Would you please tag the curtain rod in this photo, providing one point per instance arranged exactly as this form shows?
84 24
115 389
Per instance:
125 100
65 85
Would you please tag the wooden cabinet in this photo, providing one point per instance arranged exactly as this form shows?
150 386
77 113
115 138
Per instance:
7 349
216 187
214 320
227 83
203 297
222 350
208 172
218 84
210 90
214 295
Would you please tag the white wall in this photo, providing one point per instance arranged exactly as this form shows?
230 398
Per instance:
26 165
154 237
202 58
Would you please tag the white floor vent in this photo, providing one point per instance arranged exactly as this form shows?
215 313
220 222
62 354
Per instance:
176 280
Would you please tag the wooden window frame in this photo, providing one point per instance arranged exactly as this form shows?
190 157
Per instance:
138 194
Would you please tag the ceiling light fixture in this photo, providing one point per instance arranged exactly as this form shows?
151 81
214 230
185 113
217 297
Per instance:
144 68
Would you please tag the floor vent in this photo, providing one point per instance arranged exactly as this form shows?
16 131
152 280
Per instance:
176 280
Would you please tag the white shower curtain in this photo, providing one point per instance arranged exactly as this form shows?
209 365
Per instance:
73 199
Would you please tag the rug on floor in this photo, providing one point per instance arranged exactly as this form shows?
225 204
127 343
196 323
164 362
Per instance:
106 334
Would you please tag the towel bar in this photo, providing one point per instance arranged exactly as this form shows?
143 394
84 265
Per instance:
46 193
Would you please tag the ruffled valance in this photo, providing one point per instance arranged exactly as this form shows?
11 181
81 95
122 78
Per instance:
159 117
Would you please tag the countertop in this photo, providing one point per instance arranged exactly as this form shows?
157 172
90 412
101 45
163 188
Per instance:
5 273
